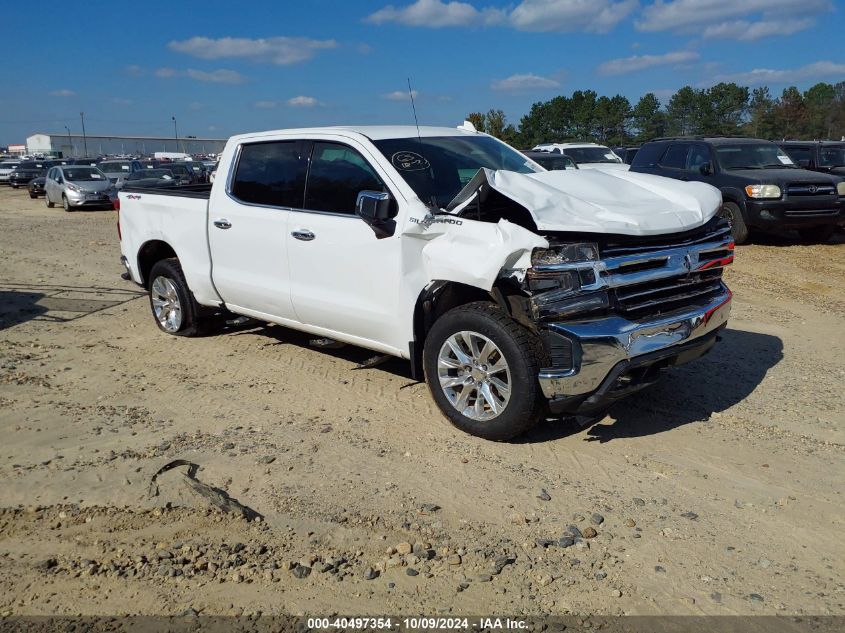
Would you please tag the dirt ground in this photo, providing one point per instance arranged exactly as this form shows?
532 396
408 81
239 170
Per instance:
719 490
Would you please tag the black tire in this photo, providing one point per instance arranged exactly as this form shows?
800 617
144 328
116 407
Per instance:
817 234
739 230
15 186
66 204
33 196
523 353
170 269
50 205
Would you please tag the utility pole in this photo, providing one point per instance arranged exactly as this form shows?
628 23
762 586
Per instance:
84 138
69 141
175 133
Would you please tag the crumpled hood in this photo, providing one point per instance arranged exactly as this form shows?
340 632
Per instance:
599 201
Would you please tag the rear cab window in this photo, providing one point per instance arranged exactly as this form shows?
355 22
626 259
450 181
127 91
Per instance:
271 174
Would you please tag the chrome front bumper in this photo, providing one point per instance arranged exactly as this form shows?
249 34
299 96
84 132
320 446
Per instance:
602 344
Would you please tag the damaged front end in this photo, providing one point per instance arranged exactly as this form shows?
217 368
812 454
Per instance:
613 313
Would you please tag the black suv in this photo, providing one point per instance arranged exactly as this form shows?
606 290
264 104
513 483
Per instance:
761 186
824 156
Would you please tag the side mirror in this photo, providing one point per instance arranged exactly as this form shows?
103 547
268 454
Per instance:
376 208
705 169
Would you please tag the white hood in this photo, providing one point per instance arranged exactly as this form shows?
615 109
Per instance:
599 201
607 166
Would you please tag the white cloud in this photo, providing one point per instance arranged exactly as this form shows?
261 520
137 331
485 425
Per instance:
267 105
303 102
436 14
64 92
274 50
596 16
719 18
220 76
529 15
767 76
400 95
744 30
641 62
528 81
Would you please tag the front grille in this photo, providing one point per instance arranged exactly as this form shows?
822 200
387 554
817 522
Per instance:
666 295
809 189
648 277
810 213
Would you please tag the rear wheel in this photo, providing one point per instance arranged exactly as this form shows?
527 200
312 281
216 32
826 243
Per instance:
481 367
173 306
817 234
739 230
50 205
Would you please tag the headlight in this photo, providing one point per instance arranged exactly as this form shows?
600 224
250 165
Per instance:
565 254
763 191
840 188
563 267
72 187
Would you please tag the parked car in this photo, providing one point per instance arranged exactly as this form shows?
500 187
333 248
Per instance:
77 186
152 178
761 186
516 292
151 163
90 162
119 170
626 153
185 173
824 156
36 187
551 161
6 168
25 172
587 155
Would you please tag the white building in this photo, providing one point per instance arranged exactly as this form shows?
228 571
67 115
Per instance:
70 145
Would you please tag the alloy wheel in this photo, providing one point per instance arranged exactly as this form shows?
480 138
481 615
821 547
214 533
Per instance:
166 305
474 375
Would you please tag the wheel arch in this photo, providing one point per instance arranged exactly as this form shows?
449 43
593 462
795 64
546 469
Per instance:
151 252
440 296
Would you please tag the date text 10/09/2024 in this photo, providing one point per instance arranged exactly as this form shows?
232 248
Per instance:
417 623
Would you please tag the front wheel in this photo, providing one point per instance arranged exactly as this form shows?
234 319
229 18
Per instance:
739 230
481 367
66 204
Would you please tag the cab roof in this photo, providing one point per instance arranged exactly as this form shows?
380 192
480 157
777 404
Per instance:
372 132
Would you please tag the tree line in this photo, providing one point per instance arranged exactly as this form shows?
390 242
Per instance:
724 109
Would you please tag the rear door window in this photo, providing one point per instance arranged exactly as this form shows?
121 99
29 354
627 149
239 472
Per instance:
336 176
676 156
271 174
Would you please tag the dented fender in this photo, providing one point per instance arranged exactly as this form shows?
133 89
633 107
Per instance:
472 252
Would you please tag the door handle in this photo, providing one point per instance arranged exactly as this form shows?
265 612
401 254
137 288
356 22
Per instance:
304 235
223 223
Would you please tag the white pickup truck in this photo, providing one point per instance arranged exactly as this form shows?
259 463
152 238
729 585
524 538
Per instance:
516 292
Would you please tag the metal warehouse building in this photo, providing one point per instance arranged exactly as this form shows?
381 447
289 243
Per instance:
69 145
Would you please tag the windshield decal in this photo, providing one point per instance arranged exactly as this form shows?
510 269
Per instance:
409 161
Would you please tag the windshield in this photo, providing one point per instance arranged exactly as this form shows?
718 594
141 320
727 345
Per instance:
115 166
152 174
438 167
591 155
30 166
8 165
832 156
753 156
80 174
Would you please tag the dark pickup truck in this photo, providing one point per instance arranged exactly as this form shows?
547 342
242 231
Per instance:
762 187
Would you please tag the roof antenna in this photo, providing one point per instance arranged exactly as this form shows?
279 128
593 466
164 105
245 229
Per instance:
433 201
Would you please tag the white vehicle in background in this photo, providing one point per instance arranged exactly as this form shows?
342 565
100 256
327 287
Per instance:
586 155
6 168
516 292
174 156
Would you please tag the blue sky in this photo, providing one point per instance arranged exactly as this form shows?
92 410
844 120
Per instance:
227 67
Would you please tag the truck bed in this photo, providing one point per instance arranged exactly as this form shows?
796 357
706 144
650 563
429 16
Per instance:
202 191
